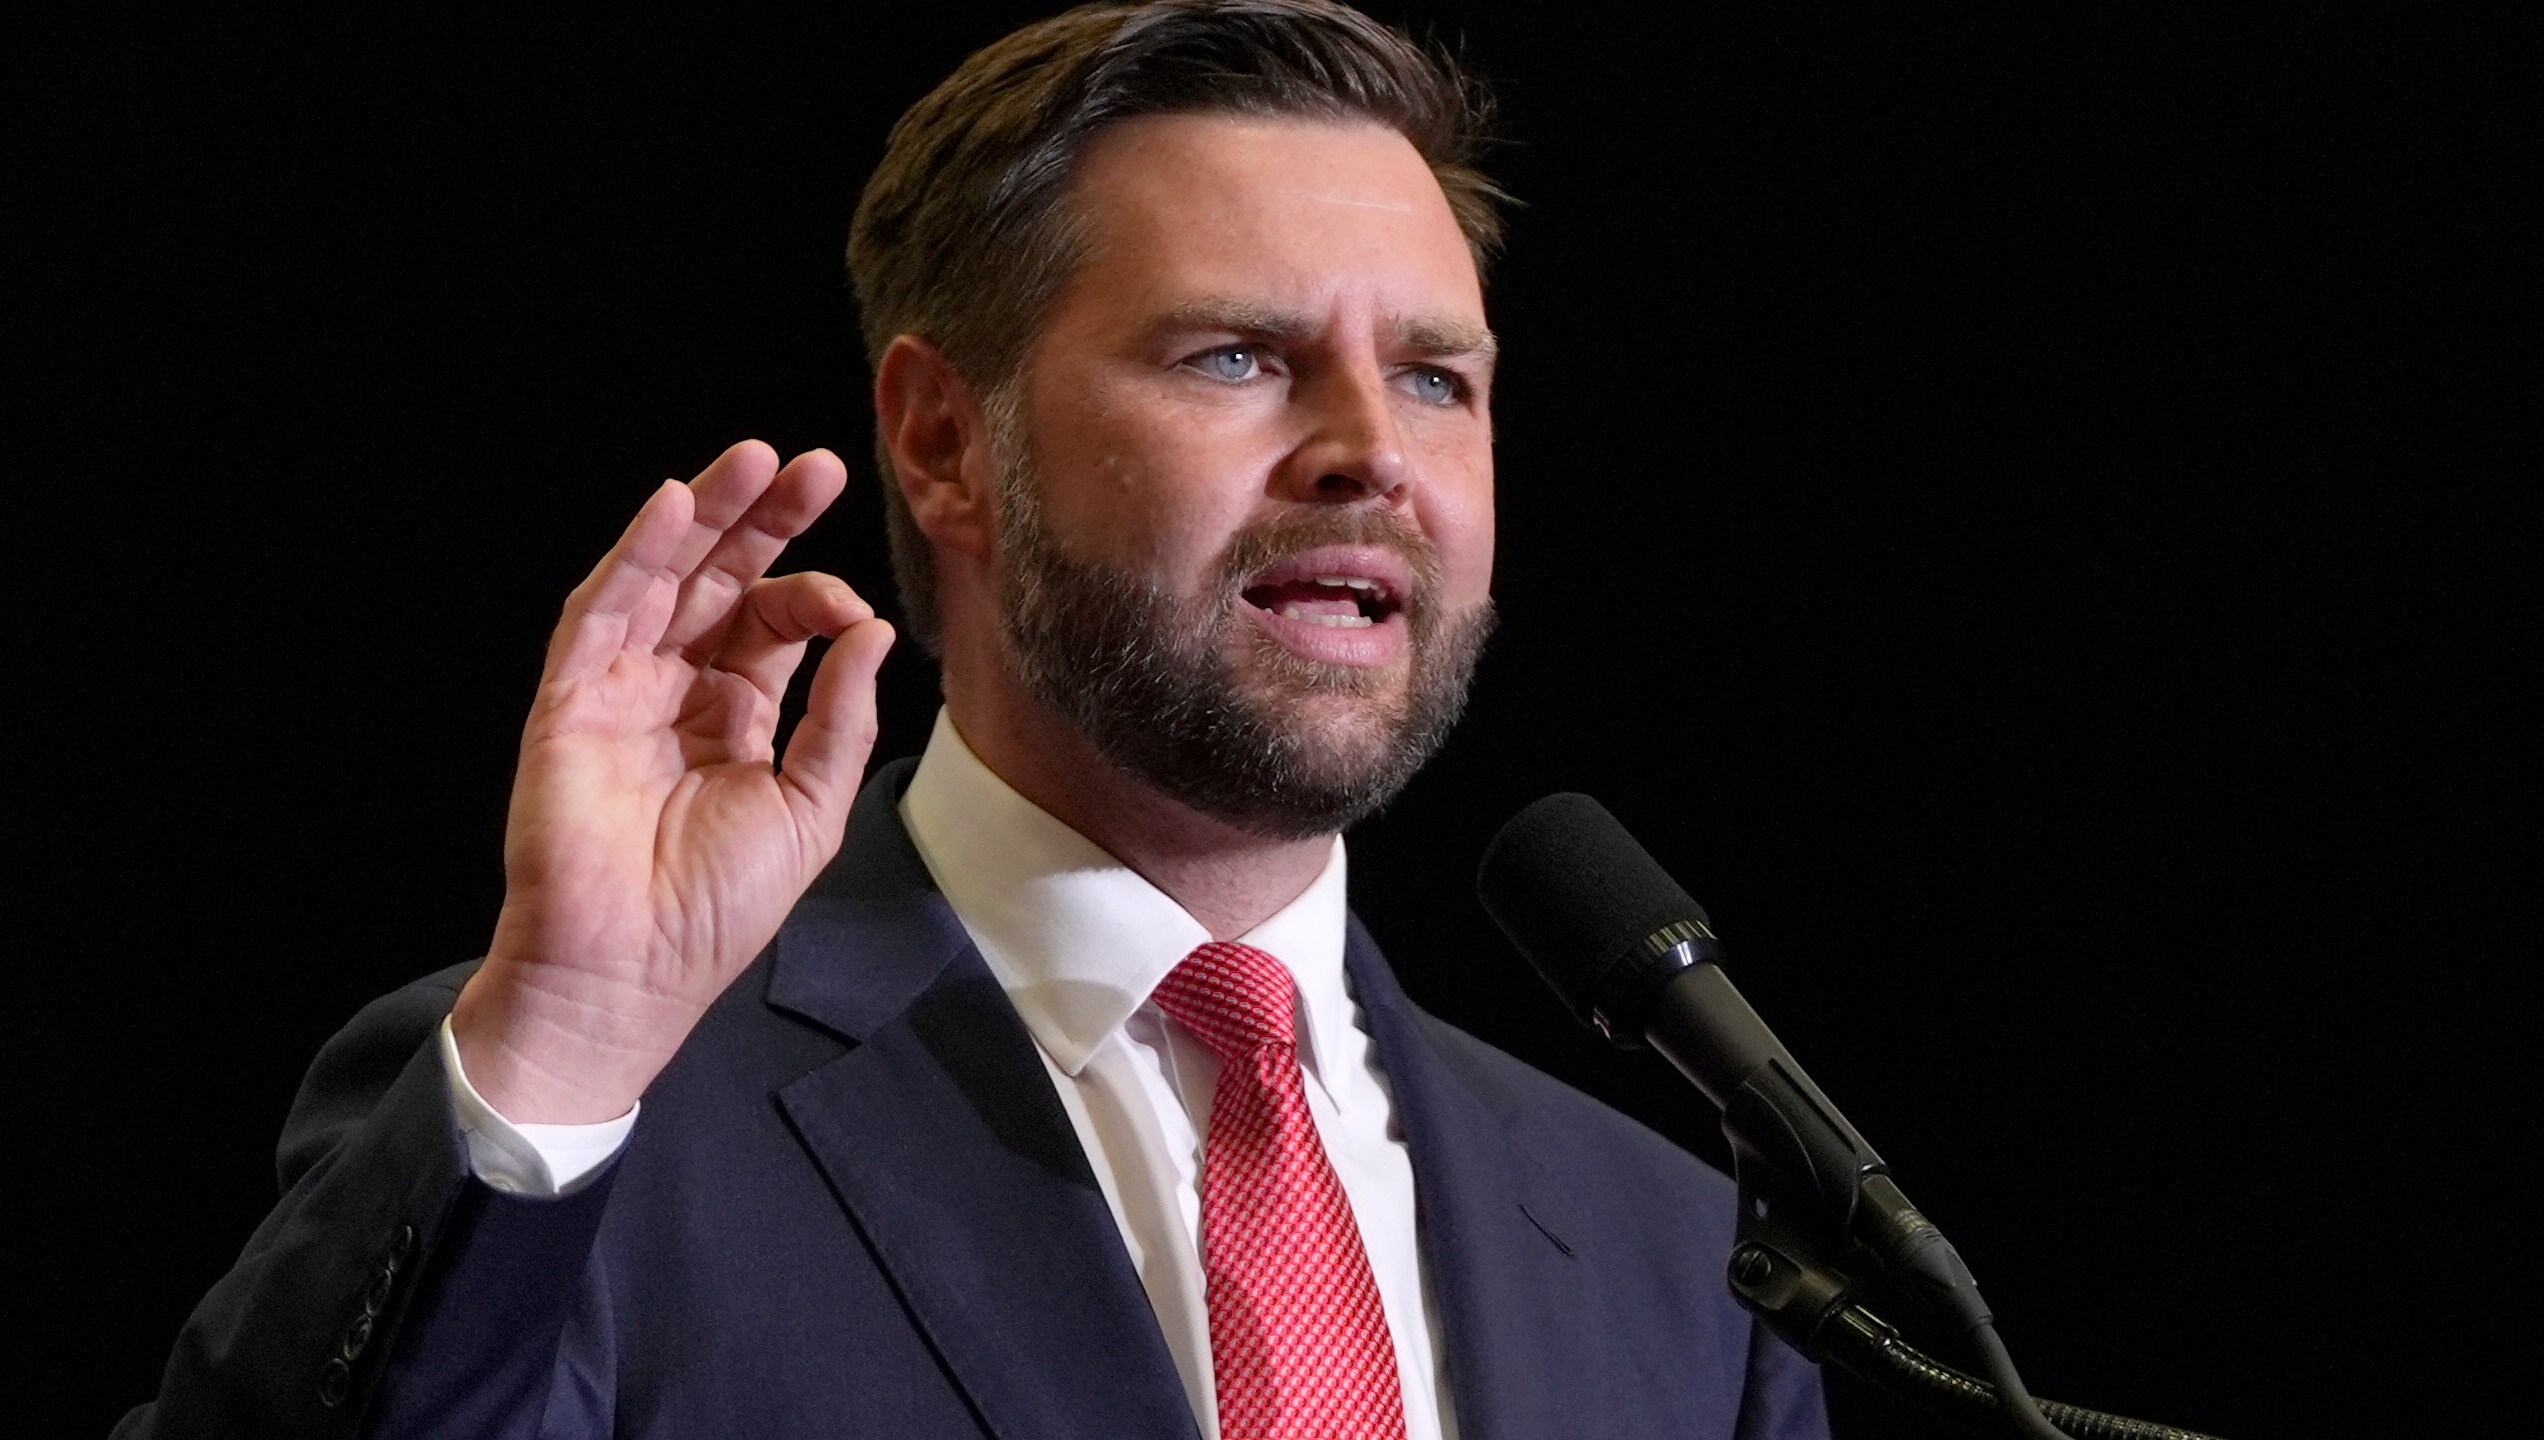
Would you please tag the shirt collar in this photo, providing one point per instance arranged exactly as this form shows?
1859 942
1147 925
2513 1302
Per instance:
1078 939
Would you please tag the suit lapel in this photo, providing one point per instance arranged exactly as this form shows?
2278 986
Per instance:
1517 1313
940 1133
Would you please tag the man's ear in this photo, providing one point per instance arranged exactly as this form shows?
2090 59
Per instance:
932 426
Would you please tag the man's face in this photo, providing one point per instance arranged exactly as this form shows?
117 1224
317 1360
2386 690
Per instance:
1246 523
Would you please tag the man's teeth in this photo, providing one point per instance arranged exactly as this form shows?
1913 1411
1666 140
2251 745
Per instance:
1331 609
1340 622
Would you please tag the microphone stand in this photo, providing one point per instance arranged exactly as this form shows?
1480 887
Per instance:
1786 1274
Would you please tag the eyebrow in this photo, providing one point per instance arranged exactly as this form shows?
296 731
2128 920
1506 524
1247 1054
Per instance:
1445 338
1433 336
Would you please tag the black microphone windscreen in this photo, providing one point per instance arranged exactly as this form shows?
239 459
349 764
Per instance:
1575 892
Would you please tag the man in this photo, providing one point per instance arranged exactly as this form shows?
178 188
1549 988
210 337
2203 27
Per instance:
1045 1088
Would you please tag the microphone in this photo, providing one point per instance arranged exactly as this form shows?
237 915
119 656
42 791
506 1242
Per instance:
1634 956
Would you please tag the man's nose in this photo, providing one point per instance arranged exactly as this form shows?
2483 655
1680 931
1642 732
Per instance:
1354 447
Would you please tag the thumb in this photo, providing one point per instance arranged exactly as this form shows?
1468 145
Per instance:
827 755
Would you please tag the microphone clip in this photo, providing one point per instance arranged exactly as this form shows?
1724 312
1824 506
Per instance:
1789 1273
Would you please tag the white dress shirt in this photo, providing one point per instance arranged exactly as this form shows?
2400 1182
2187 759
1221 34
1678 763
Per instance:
1079 941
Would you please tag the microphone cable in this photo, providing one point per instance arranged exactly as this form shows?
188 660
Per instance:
1870 1348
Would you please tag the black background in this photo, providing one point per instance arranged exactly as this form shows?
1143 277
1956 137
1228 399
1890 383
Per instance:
2013 510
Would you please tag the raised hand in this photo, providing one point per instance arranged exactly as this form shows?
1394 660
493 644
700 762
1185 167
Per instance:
653 846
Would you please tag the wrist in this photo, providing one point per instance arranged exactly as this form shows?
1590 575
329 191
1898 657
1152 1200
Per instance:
544 1047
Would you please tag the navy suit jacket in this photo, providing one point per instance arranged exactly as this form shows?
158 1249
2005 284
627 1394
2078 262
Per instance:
854 1205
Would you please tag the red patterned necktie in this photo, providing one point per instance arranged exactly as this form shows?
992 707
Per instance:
1299 1348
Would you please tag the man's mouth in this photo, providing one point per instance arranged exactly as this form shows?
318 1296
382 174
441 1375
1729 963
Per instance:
1339 587
1347 604
1343 602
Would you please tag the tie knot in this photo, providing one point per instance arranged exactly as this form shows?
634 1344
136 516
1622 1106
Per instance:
1236 998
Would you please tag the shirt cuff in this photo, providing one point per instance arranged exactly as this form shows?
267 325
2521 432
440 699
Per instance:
543 1161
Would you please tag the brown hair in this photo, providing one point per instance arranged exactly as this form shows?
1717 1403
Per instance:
964 236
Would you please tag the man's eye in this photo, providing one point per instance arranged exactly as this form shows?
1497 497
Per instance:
1228 362
1434 386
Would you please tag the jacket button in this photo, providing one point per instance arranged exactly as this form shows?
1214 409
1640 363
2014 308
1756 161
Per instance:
402 1244
375 1295
357 1335
335 1381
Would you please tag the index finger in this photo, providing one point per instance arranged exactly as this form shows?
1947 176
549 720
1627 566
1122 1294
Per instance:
613 600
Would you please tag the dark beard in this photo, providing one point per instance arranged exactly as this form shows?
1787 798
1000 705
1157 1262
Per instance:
1144 676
